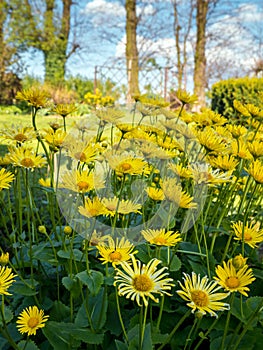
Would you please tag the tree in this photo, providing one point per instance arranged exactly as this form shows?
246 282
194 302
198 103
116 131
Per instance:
132 59
200 55
46 27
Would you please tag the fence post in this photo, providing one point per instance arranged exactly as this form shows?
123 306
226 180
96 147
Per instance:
165 83
95 78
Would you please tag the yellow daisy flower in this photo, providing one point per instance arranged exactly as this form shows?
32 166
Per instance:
155 193
93 207
160 237
18 134
211 141
180 170
45 182
201 294
55 138
116 251
36 97
255 169
96 238
250 233
224 162
237 130
115 205
204 174
186 97
81 151
64 109
239 261
174 193
241 108
81 181
6 177
30 320
239 149
25 158
110 115
6 279
234 280
132 166
142 281
256 148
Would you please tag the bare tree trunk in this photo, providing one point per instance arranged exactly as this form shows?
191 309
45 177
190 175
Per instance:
200 57
132 60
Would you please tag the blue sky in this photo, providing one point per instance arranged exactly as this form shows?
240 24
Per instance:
239 47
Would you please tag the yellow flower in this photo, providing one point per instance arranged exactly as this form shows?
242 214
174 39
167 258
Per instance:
34 96
30 320
255 169
116 251
237 130
93 207
6 279
120 206
256 148
132 166
241 108
6 177
81 151
96 238
142 281
4 258
211 141
55 138
203 174
45 182
239 261
201 294
180 170
155 193
174 193
249 233
26 158
110 115
160 237
239 149
42 229
18 134
224 162
81 181
185 97
234 280
64 109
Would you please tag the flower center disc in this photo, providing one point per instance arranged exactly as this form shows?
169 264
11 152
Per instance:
160 240
115 256
232 282
83 185
199 298
32 322
27 162
247 236
20 137
126 166
142 283
80 156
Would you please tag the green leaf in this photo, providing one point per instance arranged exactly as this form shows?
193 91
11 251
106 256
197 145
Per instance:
27 289
30 345
59 311
175 264
8 315
59 335
92 279
249 307
147 339
72 285
76 254
158 338
96 307
87 336
120 345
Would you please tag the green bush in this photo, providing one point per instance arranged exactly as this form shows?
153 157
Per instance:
244 90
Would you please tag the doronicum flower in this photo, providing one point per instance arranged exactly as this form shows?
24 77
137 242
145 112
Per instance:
93 207
139 281
116 251
234 280
6 279
18 134
249 233
26 158
120 206
4 258
160 237
156 194
255 169
239 261
201 294
186 97
6 177
35 97
64 109
81 181
30 320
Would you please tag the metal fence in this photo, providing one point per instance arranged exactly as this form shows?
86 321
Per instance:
156 80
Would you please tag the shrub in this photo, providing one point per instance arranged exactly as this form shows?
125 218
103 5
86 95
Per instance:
244 90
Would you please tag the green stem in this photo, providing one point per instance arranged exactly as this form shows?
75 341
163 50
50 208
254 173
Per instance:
160 313
206 333
227 321
119 314
143 325
187 314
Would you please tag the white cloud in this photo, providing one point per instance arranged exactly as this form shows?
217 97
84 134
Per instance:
104 7
250 13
